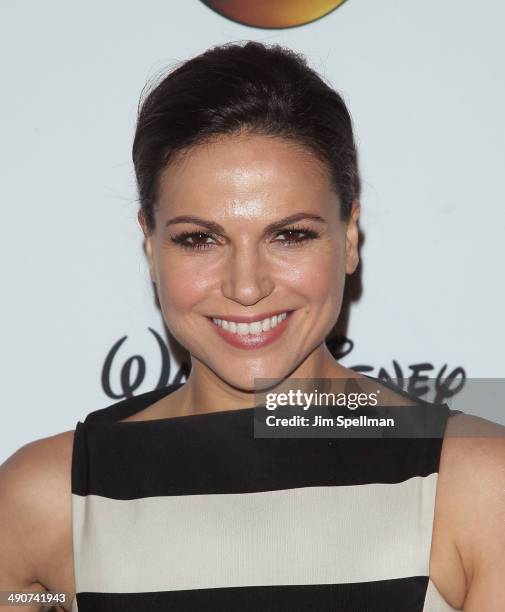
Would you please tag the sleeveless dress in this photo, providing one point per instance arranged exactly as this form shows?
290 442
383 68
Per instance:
194 513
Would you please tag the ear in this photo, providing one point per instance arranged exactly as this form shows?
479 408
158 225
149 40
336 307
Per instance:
148 246
352 238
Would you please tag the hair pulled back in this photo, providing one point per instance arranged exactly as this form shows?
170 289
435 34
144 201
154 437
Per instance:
235 88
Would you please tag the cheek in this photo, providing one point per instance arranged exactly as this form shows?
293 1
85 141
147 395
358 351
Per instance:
182 284
318 275
325 285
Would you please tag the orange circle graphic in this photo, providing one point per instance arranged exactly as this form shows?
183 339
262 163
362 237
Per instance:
273 13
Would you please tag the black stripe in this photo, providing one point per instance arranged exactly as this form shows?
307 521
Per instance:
396 595
217 453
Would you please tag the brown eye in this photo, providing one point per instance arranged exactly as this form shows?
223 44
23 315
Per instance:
199 240
297 236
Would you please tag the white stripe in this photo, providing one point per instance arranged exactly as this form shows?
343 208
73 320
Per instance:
310 535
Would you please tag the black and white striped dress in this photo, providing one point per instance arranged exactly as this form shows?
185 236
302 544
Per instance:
195 513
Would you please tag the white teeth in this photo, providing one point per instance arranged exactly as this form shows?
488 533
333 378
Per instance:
242 328
255 327
251 328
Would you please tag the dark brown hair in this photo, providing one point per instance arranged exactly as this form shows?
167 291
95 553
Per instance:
251 87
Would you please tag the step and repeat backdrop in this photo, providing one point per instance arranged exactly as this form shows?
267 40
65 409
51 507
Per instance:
424 84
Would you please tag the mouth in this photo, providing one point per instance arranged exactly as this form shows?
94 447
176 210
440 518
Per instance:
254 334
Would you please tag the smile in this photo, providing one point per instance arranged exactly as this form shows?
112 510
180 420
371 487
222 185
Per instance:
251 335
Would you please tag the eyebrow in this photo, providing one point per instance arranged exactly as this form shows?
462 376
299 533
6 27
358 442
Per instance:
219 229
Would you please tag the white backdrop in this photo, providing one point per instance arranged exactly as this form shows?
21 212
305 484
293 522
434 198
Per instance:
424 83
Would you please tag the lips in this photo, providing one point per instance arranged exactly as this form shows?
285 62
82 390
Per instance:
258 338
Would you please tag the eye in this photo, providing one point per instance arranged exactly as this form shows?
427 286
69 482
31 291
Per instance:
199 240
307 234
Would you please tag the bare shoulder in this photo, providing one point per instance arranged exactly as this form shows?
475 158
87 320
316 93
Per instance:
472 473
57 445
35 510
39 467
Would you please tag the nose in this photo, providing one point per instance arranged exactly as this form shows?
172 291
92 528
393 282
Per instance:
247 276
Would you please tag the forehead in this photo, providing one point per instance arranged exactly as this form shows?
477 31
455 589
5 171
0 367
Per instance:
235 167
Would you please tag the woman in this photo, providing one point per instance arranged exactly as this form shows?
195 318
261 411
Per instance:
249 191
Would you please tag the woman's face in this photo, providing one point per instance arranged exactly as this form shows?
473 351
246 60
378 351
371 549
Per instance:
241 256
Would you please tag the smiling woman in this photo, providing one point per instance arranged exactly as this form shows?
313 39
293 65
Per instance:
249 189
249 194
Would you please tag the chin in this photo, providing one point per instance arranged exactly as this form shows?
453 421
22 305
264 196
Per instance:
259 379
